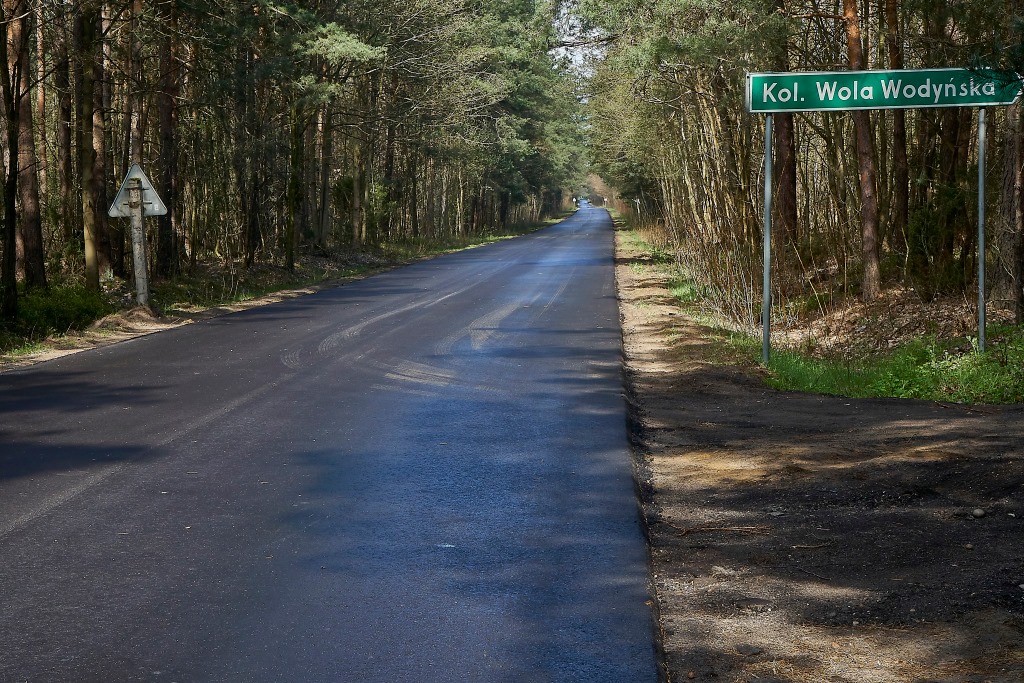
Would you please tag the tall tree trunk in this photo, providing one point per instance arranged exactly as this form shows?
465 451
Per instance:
105 241
41 128
114 232
15 9
167 250
65 123
414 193
871 283
956 234
8 264
134 119
358 204
900 163
785 226
1008 242
135 133
295 188
430 196
244 156
28 181
325 216
9 80
86 33
389 218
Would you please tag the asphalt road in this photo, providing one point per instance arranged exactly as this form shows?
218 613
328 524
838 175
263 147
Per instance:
422 476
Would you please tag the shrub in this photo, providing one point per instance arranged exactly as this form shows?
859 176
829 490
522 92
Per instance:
59 310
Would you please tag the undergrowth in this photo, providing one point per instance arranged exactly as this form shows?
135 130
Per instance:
217 287
59 310
43 315
925 368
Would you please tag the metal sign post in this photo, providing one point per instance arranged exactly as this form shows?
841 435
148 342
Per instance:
981 230
824 91
766 301
136 198
139 261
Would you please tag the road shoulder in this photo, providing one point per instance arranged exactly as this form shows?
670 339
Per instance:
806 538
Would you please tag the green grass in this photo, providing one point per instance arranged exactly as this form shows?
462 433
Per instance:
923 369
926 368
684 290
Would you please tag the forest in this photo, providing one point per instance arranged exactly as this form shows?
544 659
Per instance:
273 130
863 200
277 130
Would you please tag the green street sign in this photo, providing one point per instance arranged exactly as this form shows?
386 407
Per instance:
769 93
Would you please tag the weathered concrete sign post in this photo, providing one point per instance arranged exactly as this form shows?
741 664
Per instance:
136 198
774 93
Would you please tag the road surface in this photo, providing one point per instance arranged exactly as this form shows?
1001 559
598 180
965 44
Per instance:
422 476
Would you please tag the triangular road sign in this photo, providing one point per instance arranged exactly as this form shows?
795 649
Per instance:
152 205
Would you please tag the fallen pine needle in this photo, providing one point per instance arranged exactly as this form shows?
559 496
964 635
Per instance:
713 529
817 576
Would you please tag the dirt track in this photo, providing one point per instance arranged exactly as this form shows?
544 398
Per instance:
805 538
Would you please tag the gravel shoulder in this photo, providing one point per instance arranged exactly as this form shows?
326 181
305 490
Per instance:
805 538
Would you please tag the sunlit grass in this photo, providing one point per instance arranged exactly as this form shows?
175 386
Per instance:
925 368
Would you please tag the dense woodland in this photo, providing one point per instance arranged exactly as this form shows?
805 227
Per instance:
862 201
273 129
